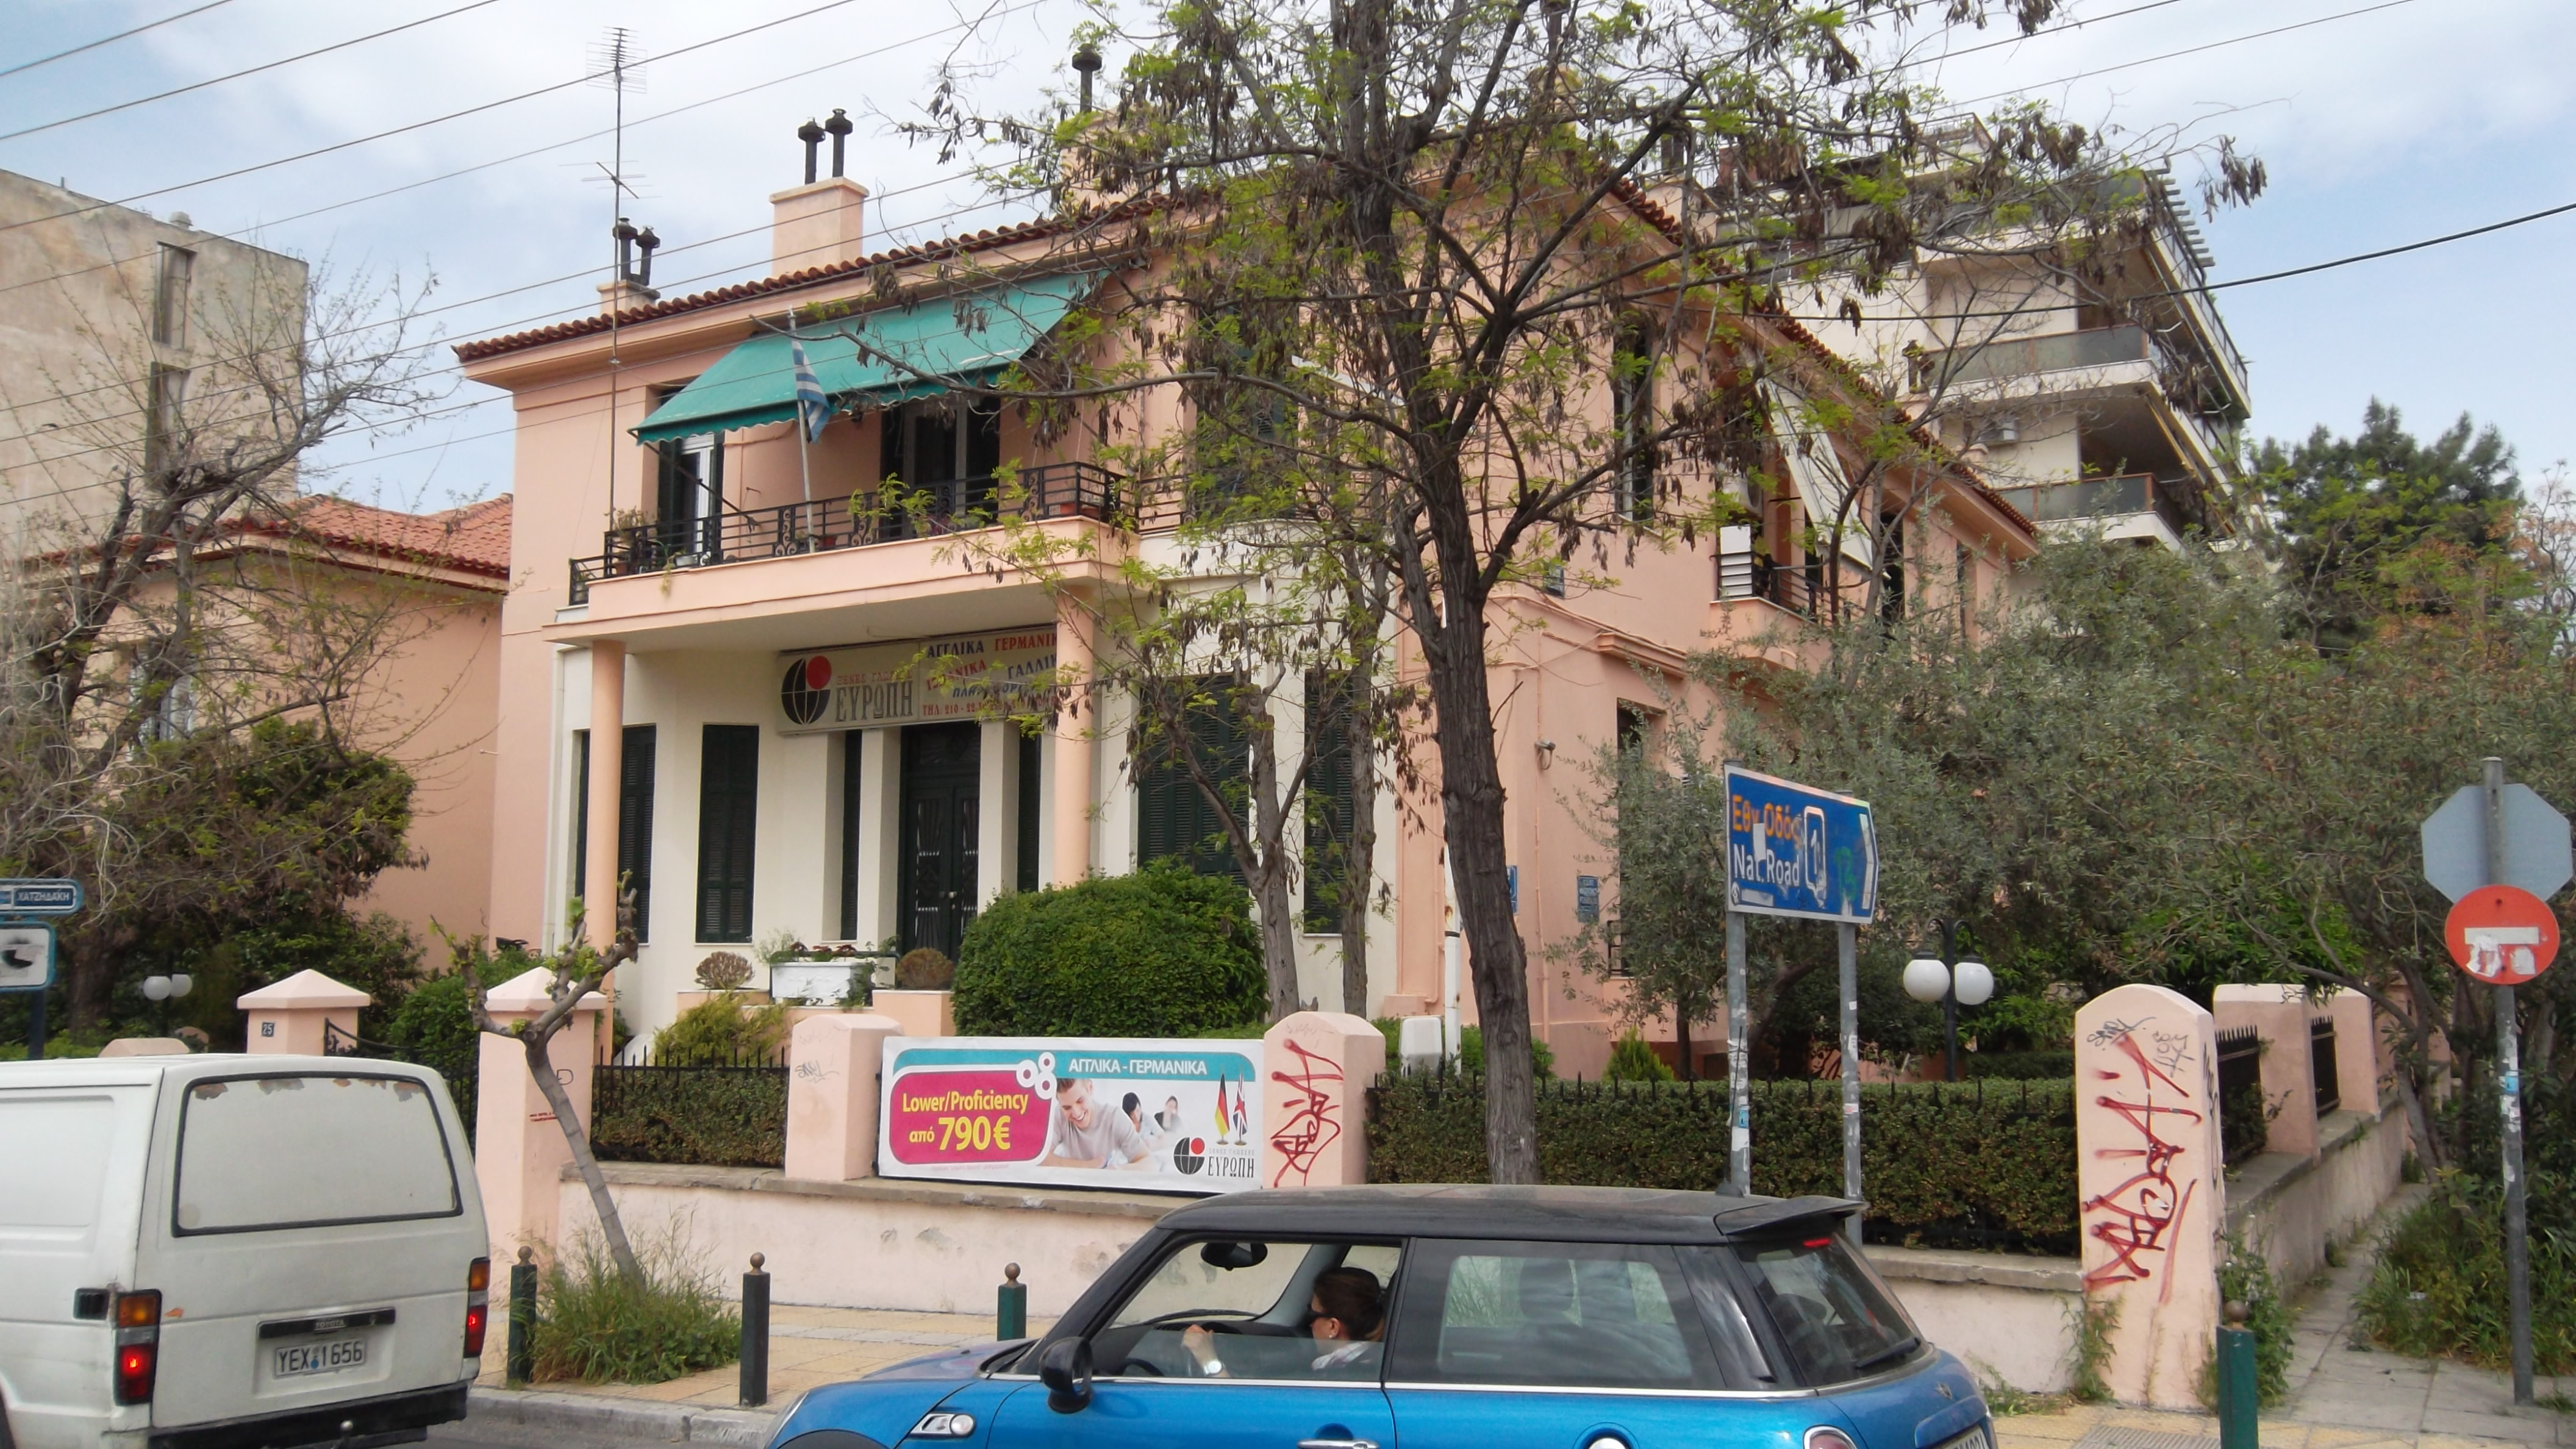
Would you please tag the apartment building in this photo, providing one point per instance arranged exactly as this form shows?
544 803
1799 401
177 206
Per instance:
733 675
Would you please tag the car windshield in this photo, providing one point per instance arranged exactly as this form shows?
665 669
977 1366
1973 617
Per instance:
1247 1309
1835 1321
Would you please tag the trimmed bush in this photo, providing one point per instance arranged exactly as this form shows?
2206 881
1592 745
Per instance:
703 1116
434 1026
924 969
1631 1060
1973 1165
2018 1066
721 1033
1162 952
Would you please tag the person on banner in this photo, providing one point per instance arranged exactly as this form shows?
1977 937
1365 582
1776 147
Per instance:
1080 1133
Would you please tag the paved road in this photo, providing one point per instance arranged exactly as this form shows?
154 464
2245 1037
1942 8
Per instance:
470 1435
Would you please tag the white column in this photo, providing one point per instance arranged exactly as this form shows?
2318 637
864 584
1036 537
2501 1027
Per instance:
880 832
997 812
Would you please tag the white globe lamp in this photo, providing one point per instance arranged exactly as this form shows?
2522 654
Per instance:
1926 979
156 988
1976 983
181 983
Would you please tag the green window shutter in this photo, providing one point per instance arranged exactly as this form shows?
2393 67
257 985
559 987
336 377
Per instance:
581 813
728 818
1174 817
1328 799
635 825
1026 872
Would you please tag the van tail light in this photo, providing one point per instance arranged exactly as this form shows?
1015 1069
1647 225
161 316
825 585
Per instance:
138 1345
478 1305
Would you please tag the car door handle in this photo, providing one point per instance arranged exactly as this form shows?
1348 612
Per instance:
1337 1444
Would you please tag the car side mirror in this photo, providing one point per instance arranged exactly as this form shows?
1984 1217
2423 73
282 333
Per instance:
1065 1368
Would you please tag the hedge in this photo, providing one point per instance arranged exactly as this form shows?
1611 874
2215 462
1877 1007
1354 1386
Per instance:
1160 952
1977 1164
733 1116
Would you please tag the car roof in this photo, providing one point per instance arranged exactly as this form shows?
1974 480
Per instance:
1479 1210
139 1071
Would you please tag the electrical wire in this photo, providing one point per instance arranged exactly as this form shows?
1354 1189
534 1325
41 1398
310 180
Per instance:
2189 50
110 39
237 75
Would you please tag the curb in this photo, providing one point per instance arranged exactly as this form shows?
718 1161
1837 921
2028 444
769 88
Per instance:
595 1415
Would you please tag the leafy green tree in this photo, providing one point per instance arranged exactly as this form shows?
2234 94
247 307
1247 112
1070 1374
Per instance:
2345 510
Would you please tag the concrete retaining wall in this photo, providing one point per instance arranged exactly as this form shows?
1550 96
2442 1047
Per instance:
2288 1206
2006 1317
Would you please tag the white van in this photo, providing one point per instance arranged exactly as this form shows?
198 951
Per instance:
234 1252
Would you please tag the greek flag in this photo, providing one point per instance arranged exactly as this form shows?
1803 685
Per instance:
812 408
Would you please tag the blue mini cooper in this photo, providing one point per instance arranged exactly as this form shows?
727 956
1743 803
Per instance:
1406 1317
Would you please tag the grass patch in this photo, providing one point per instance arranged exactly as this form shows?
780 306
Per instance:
596 1326
2439 1289
2006 1402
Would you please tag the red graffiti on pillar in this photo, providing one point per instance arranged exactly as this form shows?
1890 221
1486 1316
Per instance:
2136 1218
1310 1126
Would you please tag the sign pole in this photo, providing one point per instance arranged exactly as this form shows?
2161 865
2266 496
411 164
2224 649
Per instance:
1847 938
1739 1078
36 1026
2517 1226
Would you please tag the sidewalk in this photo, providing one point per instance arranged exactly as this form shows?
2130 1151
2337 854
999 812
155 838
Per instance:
2343 1393
807 1347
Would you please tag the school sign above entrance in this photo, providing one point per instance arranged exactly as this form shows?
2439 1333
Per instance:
917 681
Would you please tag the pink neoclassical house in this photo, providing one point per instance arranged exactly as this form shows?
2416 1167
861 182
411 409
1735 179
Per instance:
703 658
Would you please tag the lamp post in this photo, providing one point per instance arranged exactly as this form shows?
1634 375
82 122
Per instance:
1934 978
161 991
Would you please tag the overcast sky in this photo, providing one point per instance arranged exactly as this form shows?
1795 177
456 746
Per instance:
2402 121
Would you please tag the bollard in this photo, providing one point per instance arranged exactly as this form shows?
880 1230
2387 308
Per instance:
523 1318
1011 1311
2238 1394
755 1336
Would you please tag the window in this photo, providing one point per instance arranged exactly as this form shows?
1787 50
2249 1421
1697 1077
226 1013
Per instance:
1255 1302
728 818
1568 1315
688 495
170 296
946 446
164 426
850 821
1329 791
635 824
1025 872
1891 544
1963 565
1174 817
1632 424
581 813
294 1150
1834 1320
171 713
1636 727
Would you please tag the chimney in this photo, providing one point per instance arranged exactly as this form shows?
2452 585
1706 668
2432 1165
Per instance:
819 223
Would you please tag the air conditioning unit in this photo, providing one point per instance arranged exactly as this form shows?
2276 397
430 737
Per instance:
2000 430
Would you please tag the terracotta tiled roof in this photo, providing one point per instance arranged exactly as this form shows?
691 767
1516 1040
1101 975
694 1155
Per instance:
474 539
790 281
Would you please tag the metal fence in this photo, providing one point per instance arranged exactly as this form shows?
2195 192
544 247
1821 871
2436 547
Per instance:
461 1077
2244 1123
719 1114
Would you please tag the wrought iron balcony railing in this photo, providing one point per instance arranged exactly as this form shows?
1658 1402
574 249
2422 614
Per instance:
2112 497
906 511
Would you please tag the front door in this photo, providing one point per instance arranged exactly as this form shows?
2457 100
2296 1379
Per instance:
942 773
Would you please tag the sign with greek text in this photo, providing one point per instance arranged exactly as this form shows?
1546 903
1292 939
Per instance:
963 676
1130 1115
39 897
1796 851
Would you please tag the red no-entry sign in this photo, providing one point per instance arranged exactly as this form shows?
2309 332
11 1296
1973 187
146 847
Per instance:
2502 935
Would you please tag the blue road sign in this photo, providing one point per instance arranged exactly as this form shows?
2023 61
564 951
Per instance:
39 897
1796 851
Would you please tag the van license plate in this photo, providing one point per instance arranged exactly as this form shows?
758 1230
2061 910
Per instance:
319 1358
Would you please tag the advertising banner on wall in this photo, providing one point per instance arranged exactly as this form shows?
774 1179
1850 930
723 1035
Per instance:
1135 1115
917 681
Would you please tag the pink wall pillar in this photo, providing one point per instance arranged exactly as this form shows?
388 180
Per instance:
1317 1068
2280 1014
290 1016
832 1095
519 1149
2356 1051
2150 1186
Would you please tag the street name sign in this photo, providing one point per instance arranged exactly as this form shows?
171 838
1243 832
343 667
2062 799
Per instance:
2502 935
39 897
2537 856
1792 850
26 956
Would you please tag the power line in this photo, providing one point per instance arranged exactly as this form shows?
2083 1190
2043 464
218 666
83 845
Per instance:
110 39
2188 50
237 75
432 121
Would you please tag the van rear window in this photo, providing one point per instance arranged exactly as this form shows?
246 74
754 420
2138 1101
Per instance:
298 1150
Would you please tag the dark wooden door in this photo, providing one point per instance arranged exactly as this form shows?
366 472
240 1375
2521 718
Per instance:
942 773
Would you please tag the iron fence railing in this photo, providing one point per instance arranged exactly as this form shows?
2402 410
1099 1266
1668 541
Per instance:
2244 1123
887 515
1749 575
2321 1065
2118 495
708 1114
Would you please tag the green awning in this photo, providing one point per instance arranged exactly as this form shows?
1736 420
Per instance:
911 351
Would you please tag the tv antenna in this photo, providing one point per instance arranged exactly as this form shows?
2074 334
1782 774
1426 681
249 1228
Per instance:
613 65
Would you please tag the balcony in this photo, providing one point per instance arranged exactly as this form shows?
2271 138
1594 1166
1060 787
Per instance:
2021 357
2126 502
925 510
